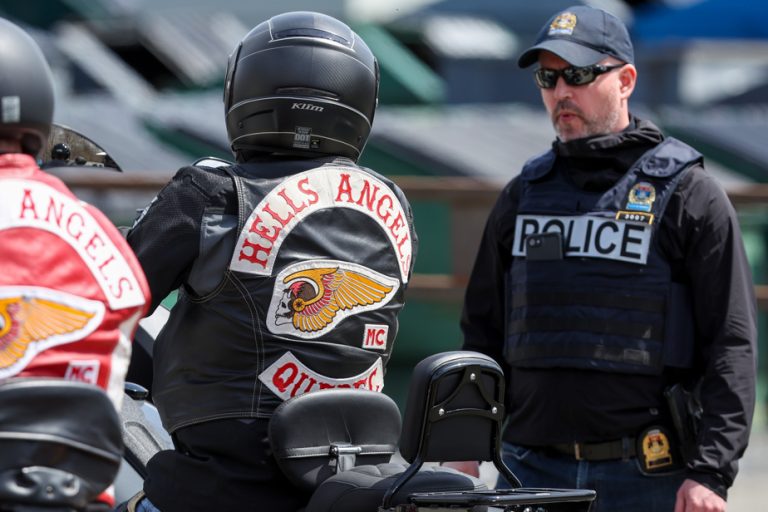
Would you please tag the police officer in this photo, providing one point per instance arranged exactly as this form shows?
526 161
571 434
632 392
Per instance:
291 265
71 290
611 269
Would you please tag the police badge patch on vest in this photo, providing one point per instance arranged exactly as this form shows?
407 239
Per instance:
656 452
639 204
641 197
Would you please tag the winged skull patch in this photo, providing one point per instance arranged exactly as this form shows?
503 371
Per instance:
311 298
35 319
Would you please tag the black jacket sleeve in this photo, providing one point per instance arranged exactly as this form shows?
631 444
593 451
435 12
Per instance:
724 304
482 319
166 236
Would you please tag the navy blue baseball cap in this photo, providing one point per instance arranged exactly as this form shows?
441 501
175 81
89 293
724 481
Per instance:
582 36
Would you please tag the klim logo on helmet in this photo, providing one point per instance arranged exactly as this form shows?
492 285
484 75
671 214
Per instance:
307 106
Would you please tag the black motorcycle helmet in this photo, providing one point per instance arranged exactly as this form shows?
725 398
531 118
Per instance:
26 89
60 151
301 83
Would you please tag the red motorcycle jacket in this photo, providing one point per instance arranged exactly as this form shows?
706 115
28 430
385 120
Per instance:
71 290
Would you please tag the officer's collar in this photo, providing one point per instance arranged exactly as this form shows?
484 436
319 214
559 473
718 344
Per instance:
595 163
638 133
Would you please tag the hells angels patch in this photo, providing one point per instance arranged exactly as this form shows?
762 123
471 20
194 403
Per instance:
288 377
29 205
34 319
310 298
303 194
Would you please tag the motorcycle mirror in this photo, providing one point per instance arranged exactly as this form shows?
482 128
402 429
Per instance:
67 147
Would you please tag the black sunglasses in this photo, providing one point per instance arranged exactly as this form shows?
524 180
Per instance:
547 78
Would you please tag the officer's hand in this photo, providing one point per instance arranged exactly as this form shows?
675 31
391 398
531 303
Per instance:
694 497
470 467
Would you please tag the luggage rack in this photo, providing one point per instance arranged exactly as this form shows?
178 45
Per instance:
523 499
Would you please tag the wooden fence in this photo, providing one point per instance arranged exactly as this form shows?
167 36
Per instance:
469 202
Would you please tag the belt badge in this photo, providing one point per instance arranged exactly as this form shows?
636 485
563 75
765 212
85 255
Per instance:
656 451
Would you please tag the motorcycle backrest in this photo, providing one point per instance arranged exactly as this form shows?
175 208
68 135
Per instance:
60 442
315 435
454 409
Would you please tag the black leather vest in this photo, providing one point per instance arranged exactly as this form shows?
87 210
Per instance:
588 286
318 263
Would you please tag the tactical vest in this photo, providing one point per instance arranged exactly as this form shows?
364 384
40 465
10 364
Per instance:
317 266
588 286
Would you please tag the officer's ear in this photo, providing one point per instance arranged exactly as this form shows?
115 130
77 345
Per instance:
627 80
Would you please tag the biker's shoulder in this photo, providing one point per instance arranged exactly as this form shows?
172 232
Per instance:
32 176
29 172
201 180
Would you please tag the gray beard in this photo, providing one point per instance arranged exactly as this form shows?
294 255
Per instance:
594 127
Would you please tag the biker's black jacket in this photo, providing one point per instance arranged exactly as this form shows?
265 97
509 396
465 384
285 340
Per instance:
700 237
291 274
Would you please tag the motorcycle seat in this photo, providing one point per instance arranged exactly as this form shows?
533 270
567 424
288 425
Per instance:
60 442
317 435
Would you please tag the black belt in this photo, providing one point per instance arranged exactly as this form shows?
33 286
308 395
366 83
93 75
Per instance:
610 450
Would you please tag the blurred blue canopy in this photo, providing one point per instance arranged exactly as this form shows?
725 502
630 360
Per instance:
707 19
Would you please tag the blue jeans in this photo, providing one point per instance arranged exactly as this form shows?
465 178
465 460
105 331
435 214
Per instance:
619 484
146 506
